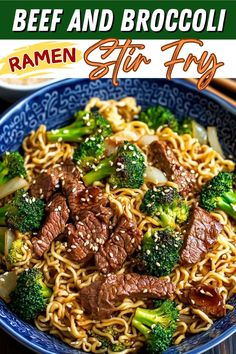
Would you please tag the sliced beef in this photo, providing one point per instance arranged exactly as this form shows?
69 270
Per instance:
123 242
66 174
102 213
72 186
164 157
79 197
201 233
91 198
45 184
99 298
205 298
57 216
90 233
77 246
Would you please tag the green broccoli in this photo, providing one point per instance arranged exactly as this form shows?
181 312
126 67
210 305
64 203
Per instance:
160 251
117 347
218 193
85 124
11 165
30 296
15 252
125 168
186 126
158 116
89 152
234 179
166 205
104 340
157 325
23 213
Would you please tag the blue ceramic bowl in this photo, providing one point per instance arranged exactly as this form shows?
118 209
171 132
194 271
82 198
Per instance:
53 105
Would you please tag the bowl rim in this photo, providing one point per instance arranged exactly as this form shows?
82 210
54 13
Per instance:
57 83
51 85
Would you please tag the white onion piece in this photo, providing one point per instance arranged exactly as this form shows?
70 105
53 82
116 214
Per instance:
111 146
154 175
12 186
9 238
146 140
199 132
7 285
214 140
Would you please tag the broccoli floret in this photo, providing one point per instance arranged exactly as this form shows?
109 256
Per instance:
104 341
89 152
30 296
23 213
218 193
11 165
160 251
157 325
158 116
186 126
15 252
125 168
234 179
117 347
86 123
166 205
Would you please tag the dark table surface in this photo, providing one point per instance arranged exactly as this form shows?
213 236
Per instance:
10 346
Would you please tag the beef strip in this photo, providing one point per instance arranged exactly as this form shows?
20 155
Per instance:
57 216
99 298
79 197
89 234
206 298
91 198
66 174
201 233
72 186
45 184
164 157
123 242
